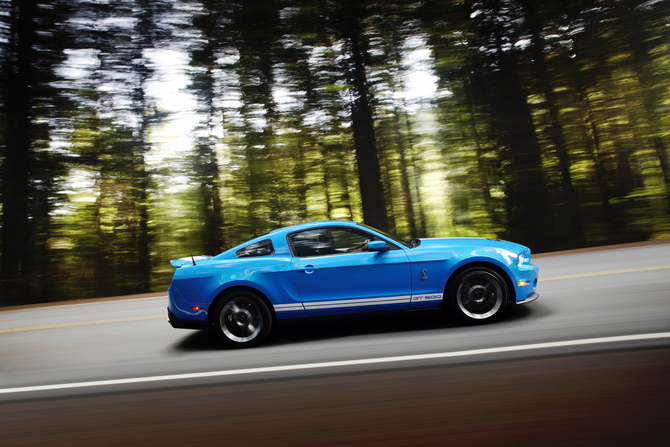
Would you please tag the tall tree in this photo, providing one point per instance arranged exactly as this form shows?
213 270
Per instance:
113 116
351 16
19 75
316 84
504 95
207 87
148 33
570 232
33 48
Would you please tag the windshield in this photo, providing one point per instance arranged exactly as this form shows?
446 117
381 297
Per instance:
393 238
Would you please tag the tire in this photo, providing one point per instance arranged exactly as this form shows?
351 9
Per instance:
479 295
242 320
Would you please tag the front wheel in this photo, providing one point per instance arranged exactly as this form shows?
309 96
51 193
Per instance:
242 320
478 295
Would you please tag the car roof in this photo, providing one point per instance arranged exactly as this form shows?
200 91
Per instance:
324 223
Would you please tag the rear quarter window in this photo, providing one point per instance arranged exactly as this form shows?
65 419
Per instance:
262 248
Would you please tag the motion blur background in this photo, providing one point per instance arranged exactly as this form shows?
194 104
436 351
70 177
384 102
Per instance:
133 131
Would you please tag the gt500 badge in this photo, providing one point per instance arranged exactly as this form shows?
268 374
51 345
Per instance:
436 297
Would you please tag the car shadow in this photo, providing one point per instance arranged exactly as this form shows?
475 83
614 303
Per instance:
288 332
199 341
315 329
299 331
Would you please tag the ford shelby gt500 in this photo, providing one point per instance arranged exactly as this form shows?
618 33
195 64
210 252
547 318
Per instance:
338 267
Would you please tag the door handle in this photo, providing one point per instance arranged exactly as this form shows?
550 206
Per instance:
307 269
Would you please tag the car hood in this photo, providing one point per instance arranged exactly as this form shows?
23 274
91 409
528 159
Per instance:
475 242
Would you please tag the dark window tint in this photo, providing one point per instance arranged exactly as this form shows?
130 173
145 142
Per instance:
262 248
329 241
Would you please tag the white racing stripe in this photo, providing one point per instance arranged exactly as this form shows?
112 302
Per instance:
357 302
288 307
323 365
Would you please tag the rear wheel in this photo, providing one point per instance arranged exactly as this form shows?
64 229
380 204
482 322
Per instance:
478 295
242 319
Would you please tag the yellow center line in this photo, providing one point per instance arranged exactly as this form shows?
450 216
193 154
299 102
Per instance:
607 272
81 323
155 317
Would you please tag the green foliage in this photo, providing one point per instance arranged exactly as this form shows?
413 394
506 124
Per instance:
548 125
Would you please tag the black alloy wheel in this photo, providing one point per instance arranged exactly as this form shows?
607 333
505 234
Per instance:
242 320
478 295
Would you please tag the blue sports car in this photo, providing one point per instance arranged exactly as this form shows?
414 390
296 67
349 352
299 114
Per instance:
338 267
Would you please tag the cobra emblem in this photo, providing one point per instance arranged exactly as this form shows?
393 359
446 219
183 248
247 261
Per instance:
423 274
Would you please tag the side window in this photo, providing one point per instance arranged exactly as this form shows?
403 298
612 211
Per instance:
262 248
350 241
311 243
329 241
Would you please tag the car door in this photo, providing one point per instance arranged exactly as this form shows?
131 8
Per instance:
336 274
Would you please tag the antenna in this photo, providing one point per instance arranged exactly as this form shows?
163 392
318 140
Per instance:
190 252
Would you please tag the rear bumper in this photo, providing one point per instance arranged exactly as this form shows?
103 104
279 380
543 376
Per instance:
530 299
180 323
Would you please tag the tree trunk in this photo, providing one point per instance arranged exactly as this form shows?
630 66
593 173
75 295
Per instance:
570 234
16 225
369 172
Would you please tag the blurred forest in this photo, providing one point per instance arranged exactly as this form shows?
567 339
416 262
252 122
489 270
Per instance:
548 124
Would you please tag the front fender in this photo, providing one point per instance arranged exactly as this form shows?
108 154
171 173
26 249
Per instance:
431 270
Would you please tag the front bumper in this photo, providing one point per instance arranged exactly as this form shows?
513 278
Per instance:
530 299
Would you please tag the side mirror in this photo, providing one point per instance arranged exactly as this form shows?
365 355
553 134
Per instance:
377 246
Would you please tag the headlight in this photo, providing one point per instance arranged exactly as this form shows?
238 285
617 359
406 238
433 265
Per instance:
524 257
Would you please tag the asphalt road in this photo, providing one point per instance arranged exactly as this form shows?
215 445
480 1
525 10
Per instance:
586 364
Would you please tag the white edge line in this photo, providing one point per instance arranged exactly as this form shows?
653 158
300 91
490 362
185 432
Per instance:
321 365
